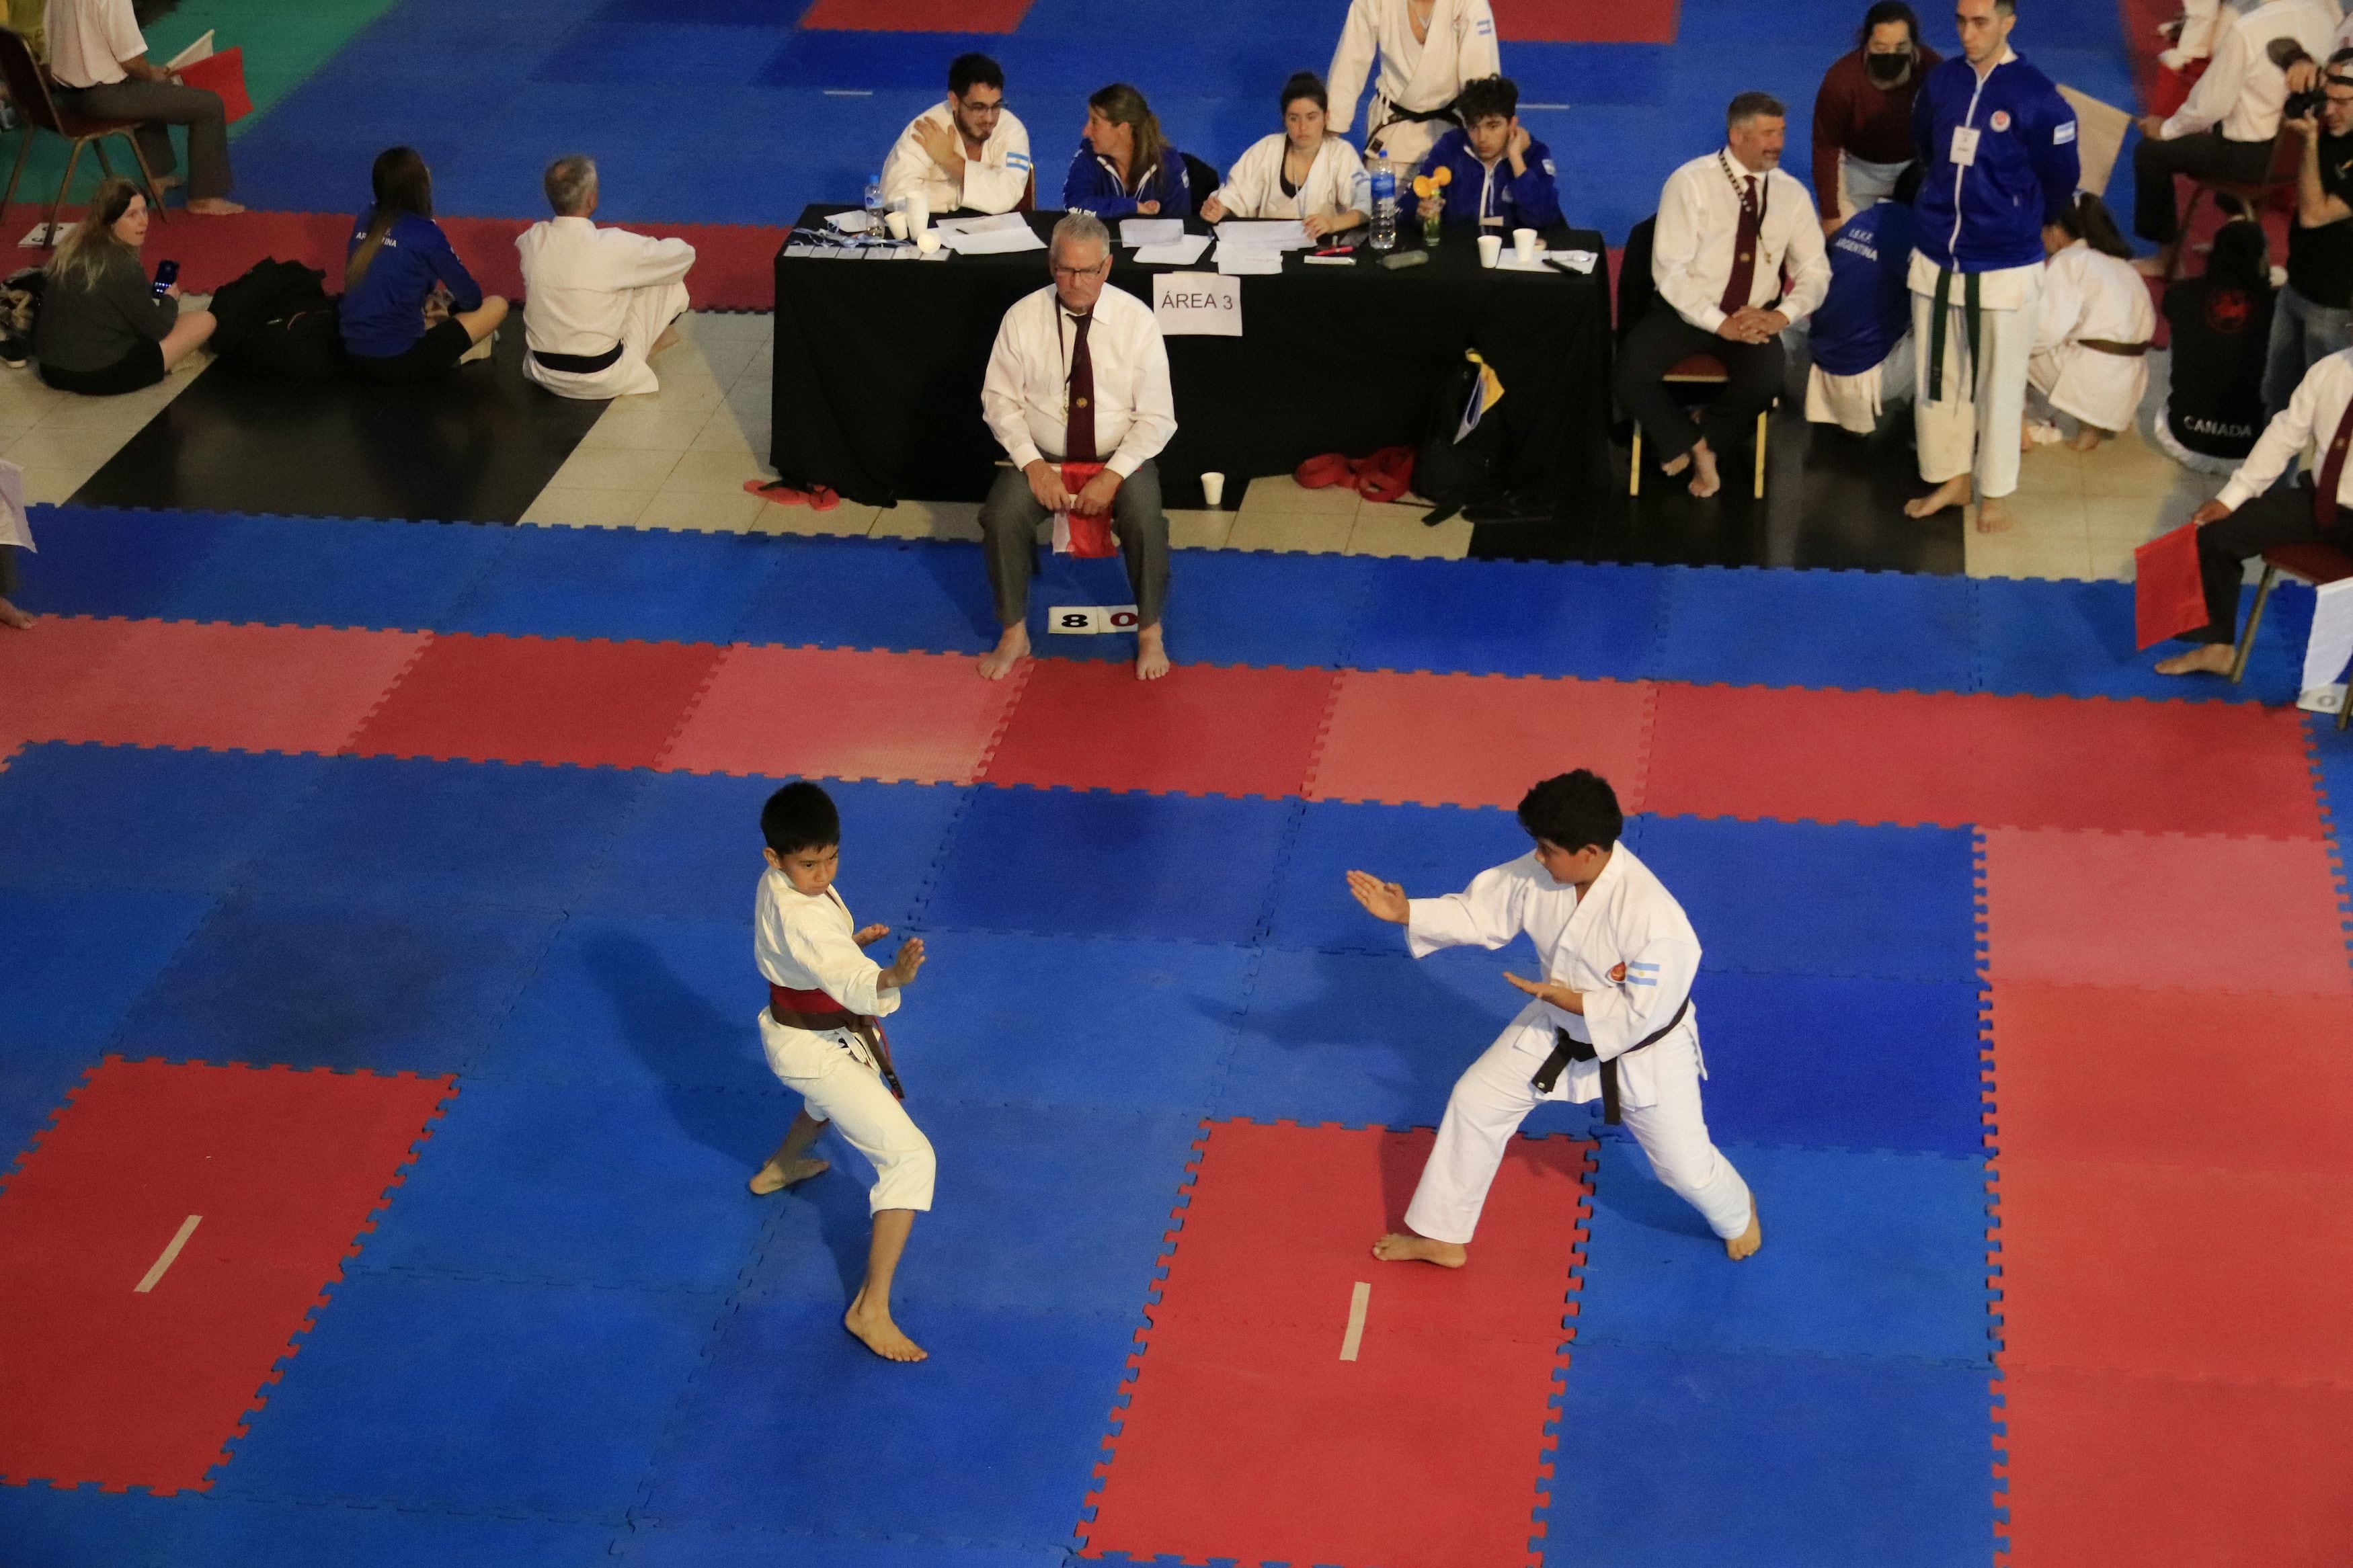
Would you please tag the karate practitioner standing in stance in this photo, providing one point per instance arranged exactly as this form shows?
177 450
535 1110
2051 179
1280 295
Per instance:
1611 1018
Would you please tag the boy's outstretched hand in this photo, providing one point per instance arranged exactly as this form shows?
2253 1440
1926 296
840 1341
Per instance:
1382 901
910 960
867 936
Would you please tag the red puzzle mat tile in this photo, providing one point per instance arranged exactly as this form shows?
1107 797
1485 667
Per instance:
184 683
1822 756
1205 730
2149 910
103 1381
915 16
540 700
1248 1437
1478 739
39 671
2230 768
2090 1073
841 713
2176 1269
2121 1472
1587 21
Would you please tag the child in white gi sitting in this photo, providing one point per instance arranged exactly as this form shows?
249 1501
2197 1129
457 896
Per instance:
1612 1019
822 1033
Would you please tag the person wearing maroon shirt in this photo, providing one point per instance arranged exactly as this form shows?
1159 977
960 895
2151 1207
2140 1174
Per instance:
1863 114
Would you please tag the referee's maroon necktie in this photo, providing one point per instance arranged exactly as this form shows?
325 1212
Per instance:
2332 474
1737 287
1079 441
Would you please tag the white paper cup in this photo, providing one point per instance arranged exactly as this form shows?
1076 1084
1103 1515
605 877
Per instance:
1213 489
1490 249
928 241
1523 244
919 214
897 224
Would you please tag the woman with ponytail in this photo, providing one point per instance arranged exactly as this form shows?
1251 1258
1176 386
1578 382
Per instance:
1124 166
410 308
1301 171
2091 340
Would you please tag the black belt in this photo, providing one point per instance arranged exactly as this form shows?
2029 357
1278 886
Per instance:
1421 116
580 364
1567 1048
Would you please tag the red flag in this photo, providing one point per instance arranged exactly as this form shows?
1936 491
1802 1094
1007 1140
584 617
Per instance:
1076 533
2168 598
223 73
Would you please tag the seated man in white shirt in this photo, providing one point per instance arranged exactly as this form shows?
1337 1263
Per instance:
98 60
1729 223
1079 374
597 302
967 153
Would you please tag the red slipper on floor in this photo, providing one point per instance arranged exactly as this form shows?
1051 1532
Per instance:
816 498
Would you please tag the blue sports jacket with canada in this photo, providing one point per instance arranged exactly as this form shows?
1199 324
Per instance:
1988 213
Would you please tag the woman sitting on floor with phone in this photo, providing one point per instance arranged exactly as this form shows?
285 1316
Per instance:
103 328
410 308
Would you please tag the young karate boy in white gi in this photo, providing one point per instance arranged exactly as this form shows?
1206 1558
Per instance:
822 1034
1611 1019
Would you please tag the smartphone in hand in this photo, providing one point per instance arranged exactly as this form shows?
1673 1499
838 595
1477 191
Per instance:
167 273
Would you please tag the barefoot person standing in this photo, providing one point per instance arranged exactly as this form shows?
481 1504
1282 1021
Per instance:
822 1033
1612 1019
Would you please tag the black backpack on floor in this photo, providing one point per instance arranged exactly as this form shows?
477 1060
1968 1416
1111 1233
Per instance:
1455 467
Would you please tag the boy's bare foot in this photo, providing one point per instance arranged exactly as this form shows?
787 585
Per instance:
1993 515
773 1177
1952 492
1704 480
1151 654
1404 1246
1010 649
1739 1246
11 616
214 206
1671 468
2206 659
880 1334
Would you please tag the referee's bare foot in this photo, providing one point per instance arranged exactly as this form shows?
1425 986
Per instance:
1010 649
1739 1246
214 206
1151 654
2206 659
772 1177
1705 481
12 618
1404 1246
1993 515
1952 492
875 1329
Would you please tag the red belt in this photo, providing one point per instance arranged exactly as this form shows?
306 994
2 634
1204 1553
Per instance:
818 1010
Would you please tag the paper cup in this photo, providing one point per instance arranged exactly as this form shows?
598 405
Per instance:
1523 244
928 241
1213 489
897 224
1490 249
919 214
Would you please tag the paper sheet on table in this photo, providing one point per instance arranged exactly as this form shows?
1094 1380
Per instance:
1141 231
2332 635
1185 250
1574 261
1235 261
852 222
980 225
1262 234
991 241
13 527
2099 138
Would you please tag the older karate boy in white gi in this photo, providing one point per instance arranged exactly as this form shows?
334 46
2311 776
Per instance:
822 1033
1612 1019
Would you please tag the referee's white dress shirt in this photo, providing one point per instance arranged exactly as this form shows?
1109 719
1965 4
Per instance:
1699 218
1026 395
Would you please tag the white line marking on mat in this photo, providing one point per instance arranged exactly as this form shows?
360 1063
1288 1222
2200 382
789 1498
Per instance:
1358 1299
188 1229
1547 106
868 93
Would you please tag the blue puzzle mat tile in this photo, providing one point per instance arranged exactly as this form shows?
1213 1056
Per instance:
1430 851
1859 1064
590 1185
508 835
1040 1209
991 1018
93 560
388 987
336 571
283 1535
475 1395
1880 631
856 593
2075 639
1005 1424
1196 867
33 1088
1234 606
1803 898
679 52
637 1002
1670 1457
1865 1254
83 1525
618 583
684 1546
74 960
1361 1039
1512 617
126 816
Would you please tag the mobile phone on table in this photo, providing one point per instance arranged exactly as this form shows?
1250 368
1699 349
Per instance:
167 274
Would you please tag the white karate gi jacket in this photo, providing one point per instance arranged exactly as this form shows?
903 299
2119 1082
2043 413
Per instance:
1625 917
586 289
2087 293
1421 77
804 944
1336 182
995 184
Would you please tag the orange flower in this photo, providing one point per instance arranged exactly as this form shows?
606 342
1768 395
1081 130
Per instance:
1442 176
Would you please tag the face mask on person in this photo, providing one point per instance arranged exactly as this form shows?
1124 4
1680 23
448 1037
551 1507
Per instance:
1888 69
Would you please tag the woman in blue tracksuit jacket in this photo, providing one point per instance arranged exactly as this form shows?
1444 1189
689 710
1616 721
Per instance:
1125 167
1997 144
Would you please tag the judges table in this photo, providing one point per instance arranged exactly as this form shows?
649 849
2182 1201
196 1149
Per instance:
878 366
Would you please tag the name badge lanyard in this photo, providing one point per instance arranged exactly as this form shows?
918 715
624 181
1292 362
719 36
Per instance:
1764 204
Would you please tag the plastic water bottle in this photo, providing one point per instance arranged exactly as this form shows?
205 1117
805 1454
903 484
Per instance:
874 201
1385 205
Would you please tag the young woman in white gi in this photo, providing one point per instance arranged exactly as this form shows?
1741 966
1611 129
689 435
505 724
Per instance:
806 944
1428 49
2091 339
1619 957
1301 171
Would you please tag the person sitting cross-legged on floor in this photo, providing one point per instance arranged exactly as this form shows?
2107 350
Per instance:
103 328
597 303
410 308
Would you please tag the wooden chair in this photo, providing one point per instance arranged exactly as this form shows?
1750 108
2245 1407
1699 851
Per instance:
2287 162
1636 298
2312 564
1700 369
28 86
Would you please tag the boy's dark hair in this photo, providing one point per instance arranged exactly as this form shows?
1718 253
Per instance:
1495 97
968 71
1572 811
799 816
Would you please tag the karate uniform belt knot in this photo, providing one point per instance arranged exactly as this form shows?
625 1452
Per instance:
1567 1048
820 1014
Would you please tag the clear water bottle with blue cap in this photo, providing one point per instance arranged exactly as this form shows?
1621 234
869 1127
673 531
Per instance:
874 199
1384 205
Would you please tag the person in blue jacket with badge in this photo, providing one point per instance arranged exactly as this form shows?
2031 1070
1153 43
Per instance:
1124 166
1499 177
1998 145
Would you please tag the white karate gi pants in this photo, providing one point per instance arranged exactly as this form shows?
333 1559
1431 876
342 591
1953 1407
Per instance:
1960 433
838 1083
1864 185
652 310
1494 1097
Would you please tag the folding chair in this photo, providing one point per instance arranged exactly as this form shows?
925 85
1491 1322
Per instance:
1700 369
2313 565
28 86
1636 298
2287 163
